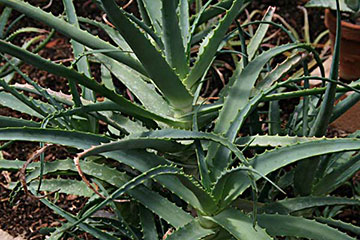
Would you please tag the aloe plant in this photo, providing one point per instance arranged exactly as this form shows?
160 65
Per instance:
180 178
350 6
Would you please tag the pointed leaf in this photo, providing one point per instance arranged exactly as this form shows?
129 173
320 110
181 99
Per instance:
148 226
16 122
67 186
73 32
192 230
210 46
140 160
277 158
134 82
123 104
337 177
282 225
239 225
291 205
174 47
339 224
166 79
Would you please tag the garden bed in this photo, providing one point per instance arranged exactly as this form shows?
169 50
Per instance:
25 216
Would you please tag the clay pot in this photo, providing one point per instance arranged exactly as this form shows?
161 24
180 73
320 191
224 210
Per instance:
350 46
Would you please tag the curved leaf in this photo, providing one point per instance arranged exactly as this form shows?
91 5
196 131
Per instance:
230 121
239 225
84 226
134 82
148 226
210 45
73 32
339 224
174 47
60 70
150 199
337 177
17 122
138 159
192 230
146 140
67 186
285 225
291 205
16 165
166 79
271 141
277 158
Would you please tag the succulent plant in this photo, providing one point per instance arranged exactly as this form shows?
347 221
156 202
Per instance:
350 6
169 165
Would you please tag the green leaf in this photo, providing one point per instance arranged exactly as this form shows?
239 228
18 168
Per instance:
152 200
148 226
337 177
124 105
126 124
16 165
339 224
111 106
210 46
138 159
328 4
24 30
341 107
239 93
291 205
183 12
173 41
213 11
67 186
58 96
259 35
147 140
192 230
134 82
73 32
138 180
84 226
106 78
113 34
322 119
25 105
283 225
274 118
271 141
279 72
239 225
306 171
237 105
82 63
17 122
272 160
153 9
166 79
5 15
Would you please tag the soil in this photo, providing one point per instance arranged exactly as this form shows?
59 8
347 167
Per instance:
25 216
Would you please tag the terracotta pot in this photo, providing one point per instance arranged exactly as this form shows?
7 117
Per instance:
350 46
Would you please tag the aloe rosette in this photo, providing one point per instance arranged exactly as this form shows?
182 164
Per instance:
159 155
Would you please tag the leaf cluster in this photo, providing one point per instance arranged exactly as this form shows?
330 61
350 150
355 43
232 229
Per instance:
171 164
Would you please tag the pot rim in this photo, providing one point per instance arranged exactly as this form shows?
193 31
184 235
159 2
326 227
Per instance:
349 31
345 24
